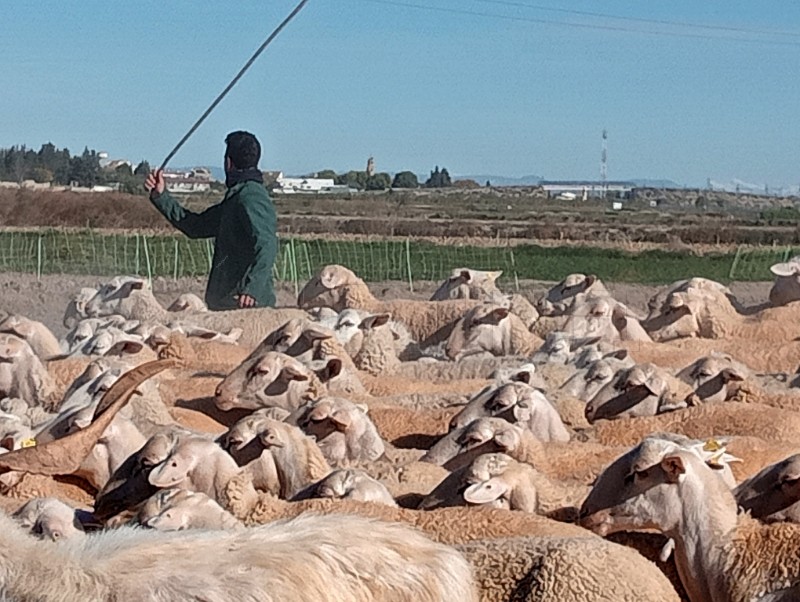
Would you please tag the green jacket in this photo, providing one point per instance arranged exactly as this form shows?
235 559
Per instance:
244 226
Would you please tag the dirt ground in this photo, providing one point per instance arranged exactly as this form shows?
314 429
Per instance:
45 300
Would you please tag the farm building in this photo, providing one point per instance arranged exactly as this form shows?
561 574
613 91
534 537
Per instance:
306 185
586 189
196 180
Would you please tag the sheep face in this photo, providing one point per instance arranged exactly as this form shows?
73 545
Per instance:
637 391
116 295
297 338
49 518
559 300
587 383
561 348
485 328
464 283
268 379
710 377
769 493
76 308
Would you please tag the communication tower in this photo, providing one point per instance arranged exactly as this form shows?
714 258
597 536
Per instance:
604 163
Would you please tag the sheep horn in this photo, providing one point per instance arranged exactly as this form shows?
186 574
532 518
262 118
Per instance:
64 456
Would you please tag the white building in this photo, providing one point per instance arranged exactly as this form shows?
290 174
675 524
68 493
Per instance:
197 180
585 189
307 185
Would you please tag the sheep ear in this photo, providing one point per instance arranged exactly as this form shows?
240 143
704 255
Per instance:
522 377
731 374
315 333
125 347
619 354
590 279
465 275
331 369
341 420
486 492
500 313
136 285
291 372
495 275
789 268
375 321
673 467
8 443
507 439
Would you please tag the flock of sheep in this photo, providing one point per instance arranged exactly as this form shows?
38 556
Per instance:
475 446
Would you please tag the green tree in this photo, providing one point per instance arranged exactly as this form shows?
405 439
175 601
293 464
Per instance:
439 179
405 179
379 181
353 179
143 169
327 174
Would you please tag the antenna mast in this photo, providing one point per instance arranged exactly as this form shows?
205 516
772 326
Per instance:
604 164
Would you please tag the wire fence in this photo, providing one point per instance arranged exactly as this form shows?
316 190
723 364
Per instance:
88 253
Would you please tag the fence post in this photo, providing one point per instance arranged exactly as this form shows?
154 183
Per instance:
137 255
735 263
408 265
514 267
147 261
293 261
39 258
175 265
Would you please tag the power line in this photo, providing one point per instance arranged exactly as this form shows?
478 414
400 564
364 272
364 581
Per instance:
617 28
570 11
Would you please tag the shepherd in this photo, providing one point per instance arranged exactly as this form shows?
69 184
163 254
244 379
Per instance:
243 224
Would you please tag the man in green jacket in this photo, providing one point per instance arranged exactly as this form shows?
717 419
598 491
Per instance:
244 226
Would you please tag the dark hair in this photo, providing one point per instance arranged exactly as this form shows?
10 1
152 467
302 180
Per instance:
243 149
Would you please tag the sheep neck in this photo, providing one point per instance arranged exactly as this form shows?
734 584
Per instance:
707 518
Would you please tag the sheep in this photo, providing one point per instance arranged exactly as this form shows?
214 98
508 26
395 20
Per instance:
710 376
273 379
76 308
110 342
50 518
129 486
519 403
23 375
642 390
196 463
587 382
730 419
343 430
309 343
606 318
188 302
564 569
772 495
84 330
786 287
705 309
178 509
429 322
298 459
721 555
562 297
37 335
464 283
323 558
514 555
574 460
132 297
562 348
348 484
491 328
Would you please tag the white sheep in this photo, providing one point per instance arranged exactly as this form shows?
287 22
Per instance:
721 555
321 558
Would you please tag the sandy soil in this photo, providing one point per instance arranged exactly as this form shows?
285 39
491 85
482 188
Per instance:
45 300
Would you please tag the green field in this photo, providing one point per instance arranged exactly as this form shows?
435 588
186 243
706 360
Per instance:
62 252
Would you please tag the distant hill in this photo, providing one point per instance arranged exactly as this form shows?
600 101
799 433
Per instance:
502 180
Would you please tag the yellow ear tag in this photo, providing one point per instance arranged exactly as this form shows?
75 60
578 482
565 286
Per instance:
712 445
29 443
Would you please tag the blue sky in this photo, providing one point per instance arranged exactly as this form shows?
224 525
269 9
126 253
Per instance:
414 88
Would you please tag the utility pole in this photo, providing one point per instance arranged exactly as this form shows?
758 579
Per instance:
604 164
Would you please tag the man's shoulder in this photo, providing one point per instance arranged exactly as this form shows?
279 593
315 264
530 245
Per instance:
252 190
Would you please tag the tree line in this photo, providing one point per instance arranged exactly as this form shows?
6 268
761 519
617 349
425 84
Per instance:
361 180
59 167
